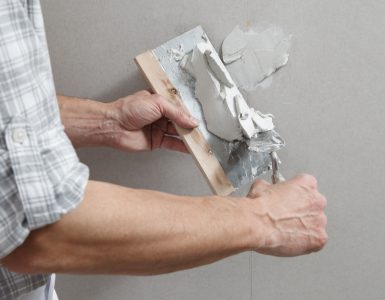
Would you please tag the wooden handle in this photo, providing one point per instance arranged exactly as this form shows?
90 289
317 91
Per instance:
193 138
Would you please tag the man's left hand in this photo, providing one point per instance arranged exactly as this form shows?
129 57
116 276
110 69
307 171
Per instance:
145 123
139 122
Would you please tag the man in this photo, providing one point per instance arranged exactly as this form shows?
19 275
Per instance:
54 220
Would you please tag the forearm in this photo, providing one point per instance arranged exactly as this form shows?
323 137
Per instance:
117 230
88 122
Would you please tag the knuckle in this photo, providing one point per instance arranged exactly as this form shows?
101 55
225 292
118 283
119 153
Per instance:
315 203
319 201
302 176
311 180
321 240
158 102
158 99
323 220
323 201
308 180
306 192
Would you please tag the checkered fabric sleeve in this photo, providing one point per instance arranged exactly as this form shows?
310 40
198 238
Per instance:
41 177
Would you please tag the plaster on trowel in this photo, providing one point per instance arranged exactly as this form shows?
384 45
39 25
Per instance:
226 165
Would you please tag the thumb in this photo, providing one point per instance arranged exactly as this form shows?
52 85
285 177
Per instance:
258 187
176 113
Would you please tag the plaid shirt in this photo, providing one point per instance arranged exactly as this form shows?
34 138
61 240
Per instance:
41 177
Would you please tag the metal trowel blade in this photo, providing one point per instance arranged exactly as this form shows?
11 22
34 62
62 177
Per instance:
242 161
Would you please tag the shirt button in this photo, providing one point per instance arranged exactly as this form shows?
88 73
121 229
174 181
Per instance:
19 135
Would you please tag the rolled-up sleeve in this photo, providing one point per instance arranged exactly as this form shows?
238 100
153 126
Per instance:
41 177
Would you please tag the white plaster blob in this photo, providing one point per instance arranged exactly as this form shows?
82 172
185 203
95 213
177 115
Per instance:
253 54
225 110
177 54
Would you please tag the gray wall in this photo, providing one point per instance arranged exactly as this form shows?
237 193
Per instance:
329 105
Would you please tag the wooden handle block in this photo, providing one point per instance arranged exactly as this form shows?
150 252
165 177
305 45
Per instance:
193 138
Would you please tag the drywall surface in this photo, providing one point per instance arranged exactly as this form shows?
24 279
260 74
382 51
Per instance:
252 54
328 103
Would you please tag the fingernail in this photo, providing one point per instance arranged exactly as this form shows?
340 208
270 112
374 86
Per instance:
194 120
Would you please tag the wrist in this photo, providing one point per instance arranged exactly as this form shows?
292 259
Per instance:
88 122
255 219
245 226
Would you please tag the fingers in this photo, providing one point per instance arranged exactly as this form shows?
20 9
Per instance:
309 182
175 113
297 221
320 235
145 108
321 201
143 93
171 129
162 137
258 187
305 180
165 127
174 144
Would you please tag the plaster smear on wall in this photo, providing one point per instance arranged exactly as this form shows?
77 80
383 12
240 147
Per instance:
226 112
253 54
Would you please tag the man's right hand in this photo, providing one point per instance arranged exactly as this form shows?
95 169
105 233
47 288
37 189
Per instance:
291 215
118 230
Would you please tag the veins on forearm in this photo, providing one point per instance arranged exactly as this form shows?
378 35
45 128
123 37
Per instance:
87 122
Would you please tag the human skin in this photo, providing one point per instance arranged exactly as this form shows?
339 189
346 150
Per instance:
118 230
140 122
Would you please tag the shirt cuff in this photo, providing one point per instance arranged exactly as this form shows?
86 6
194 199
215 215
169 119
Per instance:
41 179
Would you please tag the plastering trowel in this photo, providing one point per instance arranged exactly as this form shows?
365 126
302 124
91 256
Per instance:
225 165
